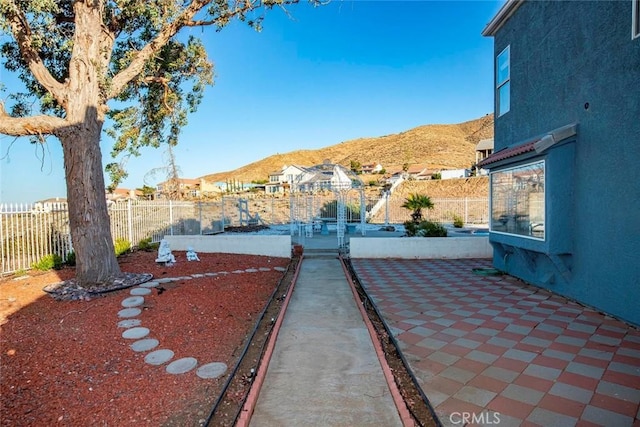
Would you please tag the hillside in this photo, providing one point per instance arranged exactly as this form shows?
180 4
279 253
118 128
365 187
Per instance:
475 187
437 146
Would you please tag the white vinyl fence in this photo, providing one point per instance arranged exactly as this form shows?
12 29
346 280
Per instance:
28 232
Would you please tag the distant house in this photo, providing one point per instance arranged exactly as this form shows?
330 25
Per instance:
54 204
484 149
565 197
371 168
281 180
394 175
122 194
186 188
419 172
454 173
326 176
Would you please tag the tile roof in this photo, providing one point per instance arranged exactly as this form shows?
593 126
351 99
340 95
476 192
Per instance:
485 144
508 152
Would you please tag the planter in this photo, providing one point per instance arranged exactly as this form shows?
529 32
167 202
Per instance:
298 250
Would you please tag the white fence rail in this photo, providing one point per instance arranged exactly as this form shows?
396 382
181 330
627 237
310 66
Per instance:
28 232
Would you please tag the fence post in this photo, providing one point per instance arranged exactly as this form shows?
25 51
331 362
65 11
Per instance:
170 217
200 216
386 208
223 219
466 210
130 222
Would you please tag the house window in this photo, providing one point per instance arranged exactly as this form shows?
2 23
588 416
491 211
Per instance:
517 200
635 19
503 81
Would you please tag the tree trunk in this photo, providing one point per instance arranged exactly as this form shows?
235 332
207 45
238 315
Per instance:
96 263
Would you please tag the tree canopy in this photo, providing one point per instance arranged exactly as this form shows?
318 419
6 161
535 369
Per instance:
154 77
84 62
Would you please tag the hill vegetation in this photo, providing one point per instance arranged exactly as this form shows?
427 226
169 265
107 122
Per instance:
437 146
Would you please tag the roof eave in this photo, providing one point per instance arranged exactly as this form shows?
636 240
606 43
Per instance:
501 17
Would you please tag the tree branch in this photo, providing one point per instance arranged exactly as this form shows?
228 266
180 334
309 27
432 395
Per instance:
184 20
41 125
247 5
22 33
136 66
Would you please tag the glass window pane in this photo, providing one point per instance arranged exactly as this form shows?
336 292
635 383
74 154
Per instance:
636 18
517 201
502 67
504 98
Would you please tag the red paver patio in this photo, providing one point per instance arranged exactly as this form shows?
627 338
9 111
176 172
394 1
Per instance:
496 343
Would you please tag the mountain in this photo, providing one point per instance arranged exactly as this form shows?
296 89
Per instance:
438 146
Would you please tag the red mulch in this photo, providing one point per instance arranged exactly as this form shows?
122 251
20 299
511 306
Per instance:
66 362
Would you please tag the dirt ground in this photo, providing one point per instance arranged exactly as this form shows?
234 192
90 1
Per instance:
66 362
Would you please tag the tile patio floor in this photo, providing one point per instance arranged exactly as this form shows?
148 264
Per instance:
495 347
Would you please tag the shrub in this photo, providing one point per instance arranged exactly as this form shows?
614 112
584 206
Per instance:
146 245
48 262
431 229
425 229
457 221
70 259
122 246
411 228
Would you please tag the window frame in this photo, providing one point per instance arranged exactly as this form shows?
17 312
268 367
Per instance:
544 200
635 19
504 84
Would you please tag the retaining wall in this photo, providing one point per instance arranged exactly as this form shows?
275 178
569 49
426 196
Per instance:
275 246
420 247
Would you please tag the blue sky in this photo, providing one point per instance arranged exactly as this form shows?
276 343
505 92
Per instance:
309 80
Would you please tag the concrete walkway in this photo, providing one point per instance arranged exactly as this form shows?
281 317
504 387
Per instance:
324 370
485 349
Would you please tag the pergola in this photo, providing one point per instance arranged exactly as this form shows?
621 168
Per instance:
332 177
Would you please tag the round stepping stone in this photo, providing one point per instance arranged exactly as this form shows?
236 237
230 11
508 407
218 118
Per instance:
197 276
132 302
265 269
166 280
129 312
129 323
211 370
158 357
140 291
144 345
238 271
181 366
279 268
135 333
251 270
151 284
210 274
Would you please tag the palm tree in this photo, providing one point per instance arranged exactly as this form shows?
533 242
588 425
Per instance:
416 202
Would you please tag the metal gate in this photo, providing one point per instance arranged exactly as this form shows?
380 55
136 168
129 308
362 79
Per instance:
319 213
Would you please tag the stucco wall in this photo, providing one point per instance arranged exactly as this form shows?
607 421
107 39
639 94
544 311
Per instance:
576 62
276 246
420 247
